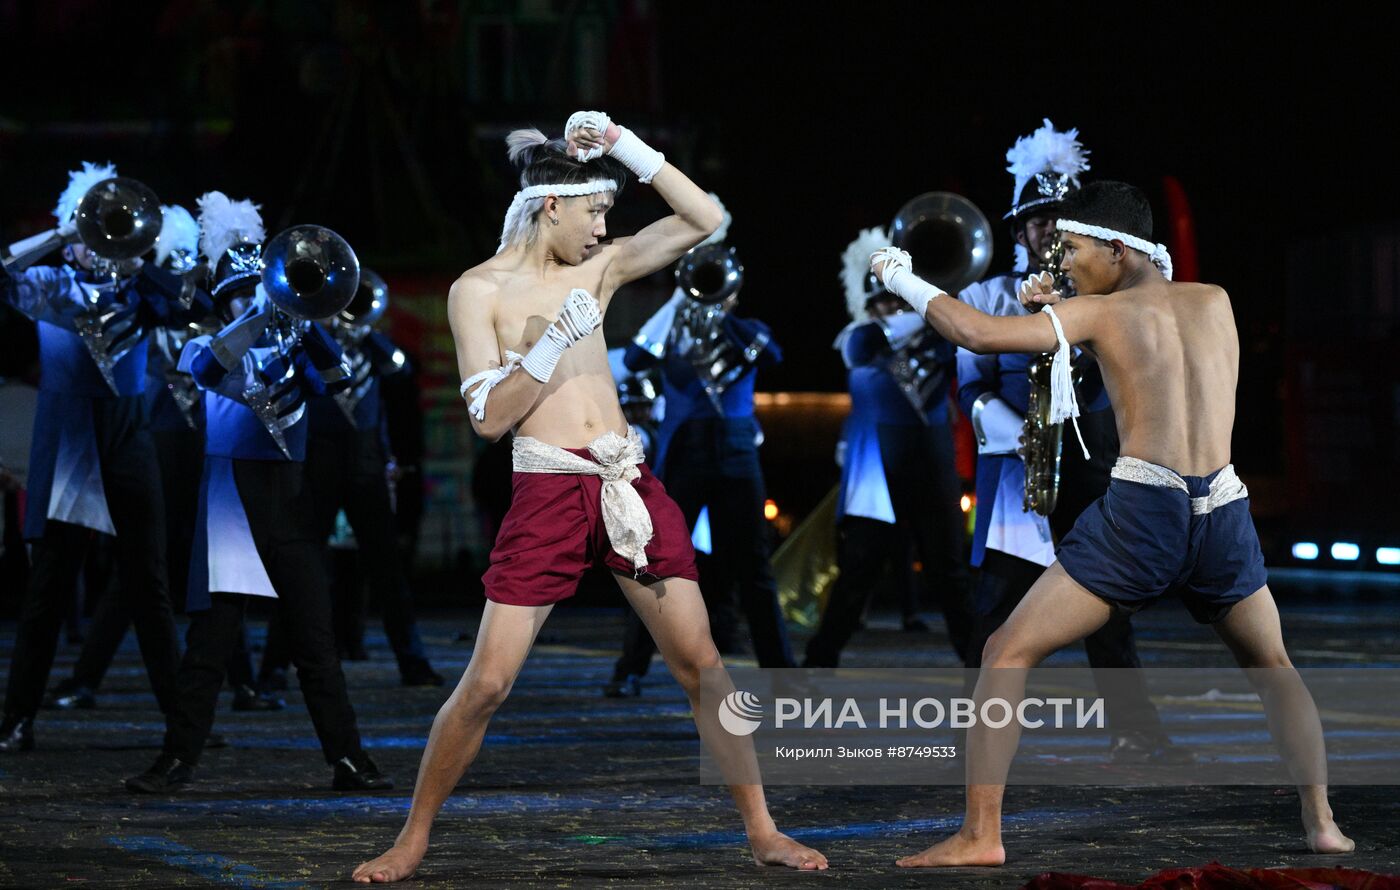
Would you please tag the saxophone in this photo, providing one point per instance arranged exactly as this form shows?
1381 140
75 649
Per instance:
1042 440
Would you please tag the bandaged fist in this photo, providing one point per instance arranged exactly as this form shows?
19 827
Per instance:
590 134
1038 291
886 260
579 317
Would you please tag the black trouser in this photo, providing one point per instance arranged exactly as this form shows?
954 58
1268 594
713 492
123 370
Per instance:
1004 582
924 491
277 501
347 472
180 454
106 632
713 463
131 481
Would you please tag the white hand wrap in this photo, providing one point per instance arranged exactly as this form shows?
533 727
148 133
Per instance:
1038 283
637 156
578 318
592 120
899 279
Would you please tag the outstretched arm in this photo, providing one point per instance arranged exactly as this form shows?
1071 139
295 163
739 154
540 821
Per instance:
979 332
696 216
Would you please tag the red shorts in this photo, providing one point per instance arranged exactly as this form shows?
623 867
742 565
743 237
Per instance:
554 532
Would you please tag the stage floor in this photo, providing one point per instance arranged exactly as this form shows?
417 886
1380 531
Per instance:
575 790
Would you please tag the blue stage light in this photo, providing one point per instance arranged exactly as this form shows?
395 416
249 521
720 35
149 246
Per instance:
1388 556
1346 552
1305 550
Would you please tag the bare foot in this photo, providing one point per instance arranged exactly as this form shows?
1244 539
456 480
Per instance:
779 849
959 849
399 864
1326 837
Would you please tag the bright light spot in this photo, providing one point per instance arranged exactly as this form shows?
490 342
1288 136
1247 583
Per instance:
1388 556
1344 551
770 509
966 503
1305 551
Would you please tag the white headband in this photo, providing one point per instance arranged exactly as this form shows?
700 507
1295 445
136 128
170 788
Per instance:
570 190
1157 252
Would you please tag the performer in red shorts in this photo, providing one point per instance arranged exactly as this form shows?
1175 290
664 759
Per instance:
582 492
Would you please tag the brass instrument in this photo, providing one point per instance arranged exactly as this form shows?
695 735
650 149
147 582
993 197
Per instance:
947 237
1041 440
710 273
118 219
310 272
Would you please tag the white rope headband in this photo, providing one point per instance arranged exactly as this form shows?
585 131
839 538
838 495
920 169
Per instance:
570 190
1157 252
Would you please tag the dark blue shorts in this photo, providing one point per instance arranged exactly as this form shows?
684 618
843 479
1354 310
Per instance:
1139 542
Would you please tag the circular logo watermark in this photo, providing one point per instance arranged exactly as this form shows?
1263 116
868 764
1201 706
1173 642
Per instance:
740 713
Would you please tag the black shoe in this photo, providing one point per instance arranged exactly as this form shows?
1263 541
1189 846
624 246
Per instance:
166 775
70 699
215 740
421 675
245 698
358 773
625 687
916 625
17 734
1139 747
274 681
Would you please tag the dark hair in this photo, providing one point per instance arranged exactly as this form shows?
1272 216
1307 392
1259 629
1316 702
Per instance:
546 162
1113 205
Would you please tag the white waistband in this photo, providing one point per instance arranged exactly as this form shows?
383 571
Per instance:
1224 488
625 515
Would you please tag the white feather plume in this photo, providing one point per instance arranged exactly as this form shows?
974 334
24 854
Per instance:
79 181
178 231
723 231
224 223
1044 151
855 269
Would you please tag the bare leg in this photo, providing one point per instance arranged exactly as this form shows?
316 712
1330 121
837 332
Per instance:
674 612
1252 631
502 643
1056 612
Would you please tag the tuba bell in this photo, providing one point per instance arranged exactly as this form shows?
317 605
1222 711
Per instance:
310 272
118 220
947 237
369 304
710 273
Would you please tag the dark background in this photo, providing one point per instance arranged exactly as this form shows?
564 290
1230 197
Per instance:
383 120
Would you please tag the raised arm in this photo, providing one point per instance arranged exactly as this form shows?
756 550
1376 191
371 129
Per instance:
696 216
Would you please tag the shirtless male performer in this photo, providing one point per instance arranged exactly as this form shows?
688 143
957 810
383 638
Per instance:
580 495
1175 517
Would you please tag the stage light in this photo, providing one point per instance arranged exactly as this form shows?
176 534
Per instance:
966 503
1305 550
770 509
1388 556
1341 550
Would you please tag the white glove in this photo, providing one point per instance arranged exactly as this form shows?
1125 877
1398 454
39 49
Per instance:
579 317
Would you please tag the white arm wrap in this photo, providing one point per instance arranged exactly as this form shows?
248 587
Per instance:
637 156
900 280
578 318
488 380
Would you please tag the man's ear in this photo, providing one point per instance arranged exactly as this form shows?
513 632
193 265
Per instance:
1021 237
1120 250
